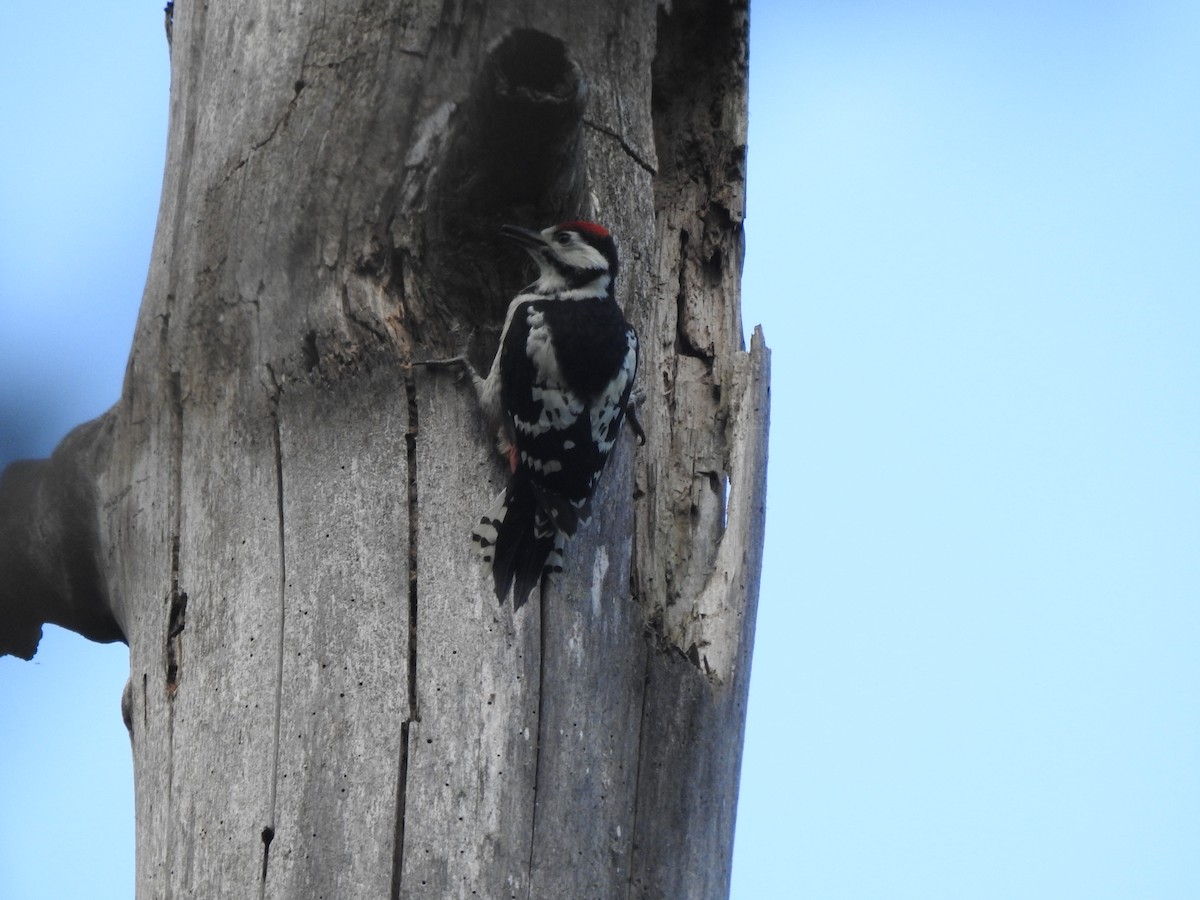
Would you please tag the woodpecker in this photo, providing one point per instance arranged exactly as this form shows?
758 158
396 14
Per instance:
556 396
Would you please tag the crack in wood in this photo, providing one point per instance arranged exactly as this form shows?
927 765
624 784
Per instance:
269 831
410 448
176 620
298 86
622 143
173 642
401 799
541 723
176 598
650 638
683 343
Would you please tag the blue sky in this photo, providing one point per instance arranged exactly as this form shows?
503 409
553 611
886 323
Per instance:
974 244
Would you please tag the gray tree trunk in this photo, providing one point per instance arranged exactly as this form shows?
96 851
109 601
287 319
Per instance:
325 698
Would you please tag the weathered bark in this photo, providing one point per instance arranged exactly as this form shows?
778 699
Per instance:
325 698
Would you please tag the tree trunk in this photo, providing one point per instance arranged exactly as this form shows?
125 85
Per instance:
325 698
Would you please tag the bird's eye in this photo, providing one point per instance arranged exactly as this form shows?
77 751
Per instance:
562 237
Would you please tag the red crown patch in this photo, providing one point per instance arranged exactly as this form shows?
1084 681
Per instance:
587 227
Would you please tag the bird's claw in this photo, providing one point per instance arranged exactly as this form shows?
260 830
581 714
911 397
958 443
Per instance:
462 361
636 398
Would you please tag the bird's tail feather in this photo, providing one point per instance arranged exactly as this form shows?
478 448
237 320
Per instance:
520 541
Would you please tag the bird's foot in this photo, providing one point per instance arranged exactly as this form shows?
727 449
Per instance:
462 361
636 398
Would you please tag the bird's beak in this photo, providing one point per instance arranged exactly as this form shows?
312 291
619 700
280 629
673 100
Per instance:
528 239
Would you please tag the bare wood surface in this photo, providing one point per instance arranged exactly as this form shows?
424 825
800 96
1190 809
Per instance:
594 656
222 658
472 763
685 817
344 702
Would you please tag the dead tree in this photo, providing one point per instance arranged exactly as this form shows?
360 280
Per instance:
325 699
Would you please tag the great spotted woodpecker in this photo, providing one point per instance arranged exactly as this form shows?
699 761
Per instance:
556 395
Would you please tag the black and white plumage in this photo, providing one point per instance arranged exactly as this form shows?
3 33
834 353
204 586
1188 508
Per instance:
557 394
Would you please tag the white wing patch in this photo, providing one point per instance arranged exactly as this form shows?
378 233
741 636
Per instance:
540 349
560 409
546 467
608 406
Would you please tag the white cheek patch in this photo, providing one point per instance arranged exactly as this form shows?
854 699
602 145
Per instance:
583 256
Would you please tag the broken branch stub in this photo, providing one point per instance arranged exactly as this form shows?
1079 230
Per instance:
50 558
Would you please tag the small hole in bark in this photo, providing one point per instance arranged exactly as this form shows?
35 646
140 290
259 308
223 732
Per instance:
268 835
312 358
